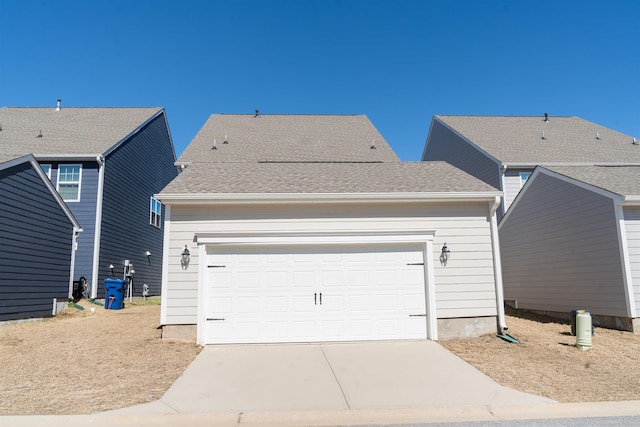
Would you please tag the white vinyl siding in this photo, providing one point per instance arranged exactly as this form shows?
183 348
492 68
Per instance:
560 250
632 226
464 288
513 182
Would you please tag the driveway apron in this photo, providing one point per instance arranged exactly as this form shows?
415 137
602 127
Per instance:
334 376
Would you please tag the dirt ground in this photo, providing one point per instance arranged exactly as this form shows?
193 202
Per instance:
547 362
83 362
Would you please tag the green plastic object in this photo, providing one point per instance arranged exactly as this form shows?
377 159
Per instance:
92 301
509 338
79 307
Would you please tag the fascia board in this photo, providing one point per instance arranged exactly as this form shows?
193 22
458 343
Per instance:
43 177
631 200
211 198
516 165
67 157
133 132
468 141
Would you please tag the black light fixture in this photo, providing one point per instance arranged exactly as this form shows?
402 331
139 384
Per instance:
111 267
148 254
185 258
444 254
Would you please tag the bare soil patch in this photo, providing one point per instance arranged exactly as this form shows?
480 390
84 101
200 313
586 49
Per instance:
82 362
547 362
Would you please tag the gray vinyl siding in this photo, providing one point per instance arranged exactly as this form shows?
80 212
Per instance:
560 250
632 226
446 145
85 213
136 170
35 245
512 185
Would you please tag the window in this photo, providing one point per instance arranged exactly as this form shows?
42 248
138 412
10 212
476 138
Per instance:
155 213
47 170
524 176
69 182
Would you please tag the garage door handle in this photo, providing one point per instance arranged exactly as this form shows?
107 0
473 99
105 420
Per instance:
315 298
416 263
320 298
216 266
417 315
213 319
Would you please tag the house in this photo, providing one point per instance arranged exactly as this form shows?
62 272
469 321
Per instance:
37 236
106 164
571 240
503 151
301 228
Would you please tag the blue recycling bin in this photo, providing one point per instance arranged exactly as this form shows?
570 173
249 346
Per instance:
114 296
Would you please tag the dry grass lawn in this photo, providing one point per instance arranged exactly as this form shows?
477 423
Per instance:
547 362
83 362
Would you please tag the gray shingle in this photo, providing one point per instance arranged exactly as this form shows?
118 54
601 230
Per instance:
71 130
324 178
622 180
288 138
567 139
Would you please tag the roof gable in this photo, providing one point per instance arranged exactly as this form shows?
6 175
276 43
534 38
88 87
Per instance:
69 131
621 180
288 138
531 140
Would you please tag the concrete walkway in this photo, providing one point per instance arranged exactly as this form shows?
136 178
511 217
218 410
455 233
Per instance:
332 385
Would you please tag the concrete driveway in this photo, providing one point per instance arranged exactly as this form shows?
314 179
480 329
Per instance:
325 377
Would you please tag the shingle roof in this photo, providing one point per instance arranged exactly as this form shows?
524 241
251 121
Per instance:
567 139
70 131
324 178
622 180
288 138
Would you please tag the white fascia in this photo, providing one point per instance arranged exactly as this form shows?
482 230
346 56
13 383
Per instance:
207 198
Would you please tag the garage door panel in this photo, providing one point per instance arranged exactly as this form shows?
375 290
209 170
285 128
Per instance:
272 293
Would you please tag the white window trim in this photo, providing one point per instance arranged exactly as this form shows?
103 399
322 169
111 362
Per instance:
151 212
524 176
79 180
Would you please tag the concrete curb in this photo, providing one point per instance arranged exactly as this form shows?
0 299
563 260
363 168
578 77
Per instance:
338 417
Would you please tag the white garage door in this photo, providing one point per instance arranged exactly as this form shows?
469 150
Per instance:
300 293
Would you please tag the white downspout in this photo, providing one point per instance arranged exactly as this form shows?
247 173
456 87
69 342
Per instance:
98 230
497 263
74 248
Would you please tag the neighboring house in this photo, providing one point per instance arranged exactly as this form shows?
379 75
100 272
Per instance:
503 151
106 163
37 236
300 228
571 240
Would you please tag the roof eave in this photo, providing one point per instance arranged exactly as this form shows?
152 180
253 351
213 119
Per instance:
67 157
247 198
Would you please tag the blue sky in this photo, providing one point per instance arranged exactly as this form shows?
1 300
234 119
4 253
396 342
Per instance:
398 62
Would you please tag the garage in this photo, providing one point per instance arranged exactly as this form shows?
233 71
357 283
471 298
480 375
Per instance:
314 292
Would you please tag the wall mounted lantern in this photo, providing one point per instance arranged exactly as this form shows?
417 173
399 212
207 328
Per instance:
148 254
185 258
444 254
111 267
